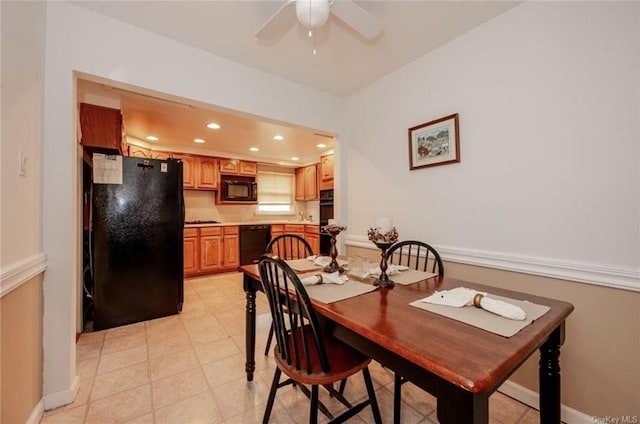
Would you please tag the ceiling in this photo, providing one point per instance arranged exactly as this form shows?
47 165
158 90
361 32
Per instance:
345 61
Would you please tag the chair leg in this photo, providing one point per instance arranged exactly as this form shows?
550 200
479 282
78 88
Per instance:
397 398
272 396
313 411
343 384
372 396
269 338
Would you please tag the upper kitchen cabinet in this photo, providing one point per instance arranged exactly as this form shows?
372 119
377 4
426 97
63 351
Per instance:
188 170
307 183
139 152
207 173
326 172
101 129
238 167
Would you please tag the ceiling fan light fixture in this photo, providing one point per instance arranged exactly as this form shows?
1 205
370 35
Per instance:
312 13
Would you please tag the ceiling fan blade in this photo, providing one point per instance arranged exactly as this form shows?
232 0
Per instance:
357 18
279 23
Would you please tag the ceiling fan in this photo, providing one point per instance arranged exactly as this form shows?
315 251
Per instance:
314 13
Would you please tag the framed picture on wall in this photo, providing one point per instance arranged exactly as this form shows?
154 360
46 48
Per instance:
434 143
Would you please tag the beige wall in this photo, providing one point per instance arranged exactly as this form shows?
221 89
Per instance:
21 369
600 360
21 256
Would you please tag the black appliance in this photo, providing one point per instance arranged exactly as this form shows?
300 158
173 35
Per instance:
239 190
137 243
253 242
326 213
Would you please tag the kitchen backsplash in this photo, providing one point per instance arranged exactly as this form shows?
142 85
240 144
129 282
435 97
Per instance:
200 206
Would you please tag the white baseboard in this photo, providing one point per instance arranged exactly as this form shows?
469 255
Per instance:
16 274
63 397
620 278
531 398
36 414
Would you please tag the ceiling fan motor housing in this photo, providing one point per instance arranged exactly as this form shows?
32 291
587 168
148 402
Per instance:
312 13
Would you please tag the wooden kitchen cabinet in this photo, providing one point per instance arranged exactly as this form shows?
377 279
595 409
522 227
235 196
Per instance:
307 183
312 236
207 173
101 129
188 170
248 168
139 152
210 249
231 244
191 251
238 167
326 172
276 230
297 229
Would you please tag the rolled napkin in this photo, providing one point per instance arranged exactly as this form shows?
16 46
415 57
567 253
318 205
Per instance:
325 278
319 260
461 296
392 269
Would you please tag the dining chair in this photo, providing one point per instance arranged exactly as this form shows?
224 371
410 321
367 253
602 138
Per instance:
287 246
420 256
290 246
305 352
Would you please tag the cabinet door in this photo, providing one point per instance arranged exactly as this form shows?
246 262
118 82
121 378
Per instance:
210 253
207 175
300 184
191 251
188 170
326 172
228 166
311 182
139 152
155 154
248 168
297 229
276 230
101 127
190 256
231 251
314 242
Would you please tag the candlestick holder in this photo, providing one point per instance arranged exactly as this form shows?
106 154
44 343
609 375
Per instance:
383 280
333 230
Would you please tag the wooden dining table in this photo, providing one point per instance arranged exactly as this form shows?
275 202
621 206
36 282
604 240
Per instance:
461 365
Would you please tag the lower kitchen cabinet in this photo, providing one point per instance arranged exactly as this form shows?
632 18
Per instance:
191 251
312 236
311 233
213 249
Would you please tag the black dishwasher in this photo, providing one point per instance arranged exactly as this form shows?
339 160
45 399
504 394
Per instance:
253 242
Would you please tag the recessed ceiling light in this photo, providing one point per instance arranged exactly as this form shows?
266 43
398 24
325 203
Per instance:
295 158
152 138
321 145
213 125
278 137
254 149
198 140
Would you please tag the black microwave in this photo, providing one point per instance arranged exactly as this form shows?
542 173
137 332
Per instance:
239 191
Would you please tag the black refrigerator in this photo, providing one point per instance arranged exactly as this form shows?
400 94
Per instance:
137 239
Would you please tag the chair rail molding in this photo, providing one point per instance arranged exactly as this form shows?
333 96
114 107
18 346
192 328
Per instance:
626 279
16 274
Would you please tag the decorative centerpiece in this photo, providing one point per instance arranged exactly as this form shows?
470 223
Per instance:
383 235
333 230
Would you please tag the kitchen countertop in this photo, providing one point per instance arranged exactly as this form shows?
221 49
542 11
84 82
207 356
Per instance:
226 224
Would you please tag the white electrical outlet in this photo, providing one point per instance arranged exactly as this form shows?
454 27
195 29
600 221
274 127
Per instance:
22 160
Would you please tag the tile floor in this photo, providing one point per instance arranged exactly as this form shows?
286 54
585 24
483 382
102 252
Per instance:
189 368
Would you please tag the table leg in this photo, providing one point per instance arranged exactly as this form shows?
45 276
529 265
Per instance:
250 327
457 406
549 376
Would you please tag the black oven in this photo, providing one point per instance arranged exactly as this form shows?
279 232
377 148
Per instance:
326 213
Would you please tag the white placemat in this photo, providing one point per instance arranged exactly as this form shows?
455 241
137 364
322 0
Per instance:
305 265
486 320
329 293
410 276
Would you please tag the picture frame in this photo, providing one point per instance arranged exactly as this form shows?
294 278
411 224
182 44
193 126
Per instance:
434 143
